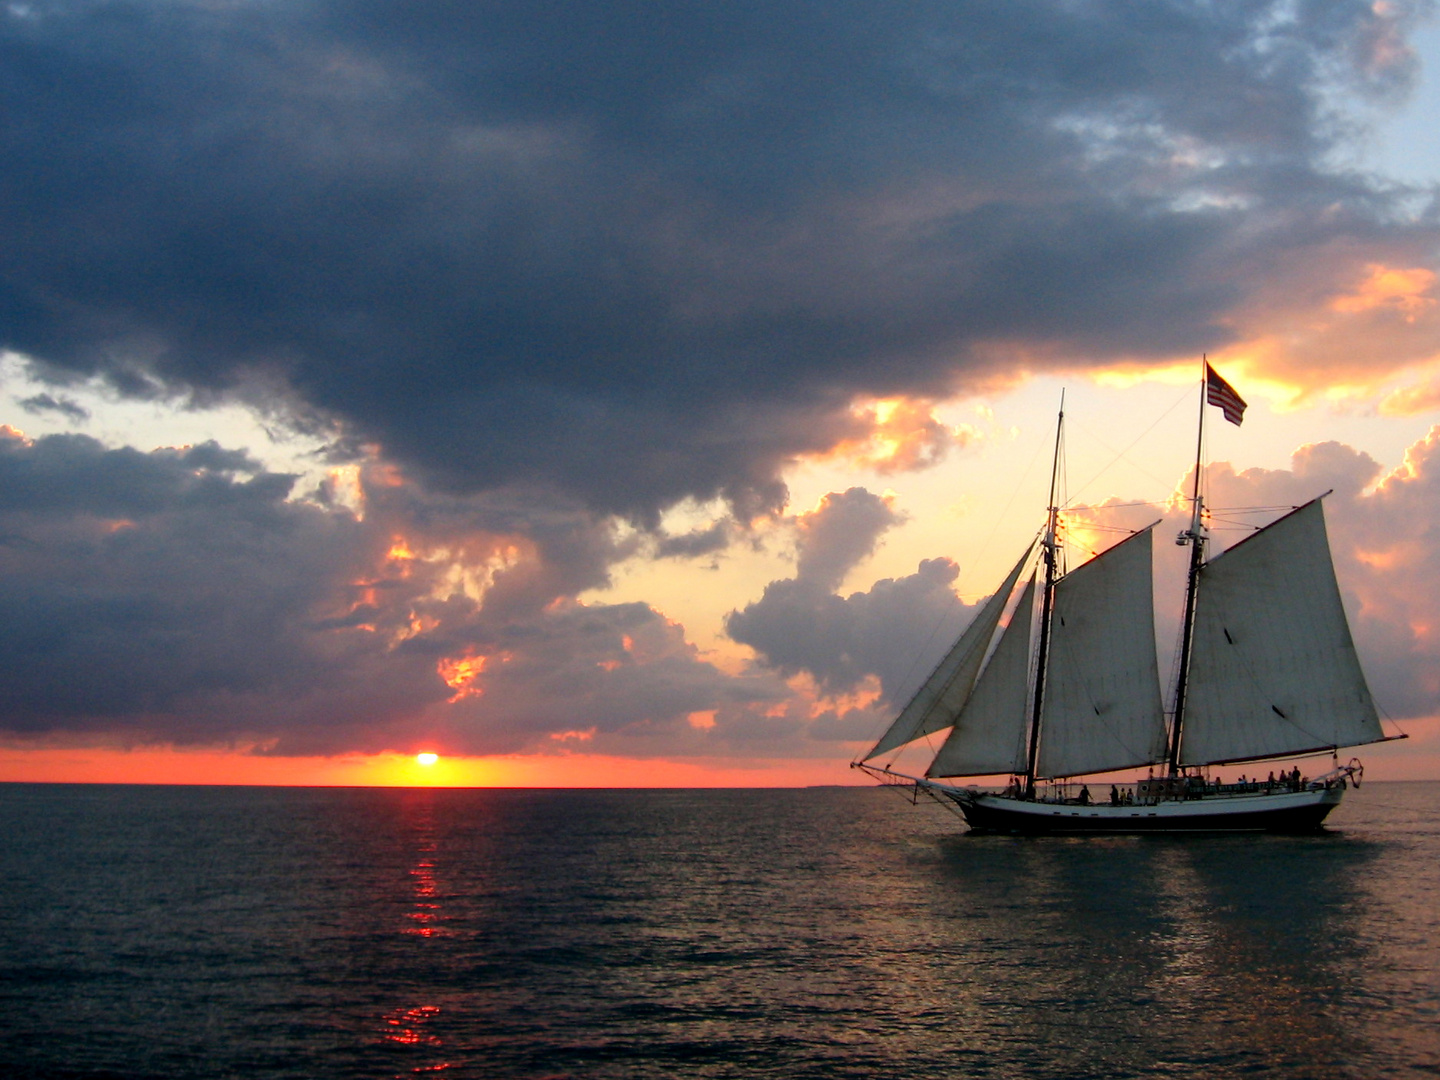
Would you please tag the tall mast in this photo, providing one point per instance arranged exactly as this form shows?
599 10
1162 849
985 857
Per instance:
1049 546
1195 537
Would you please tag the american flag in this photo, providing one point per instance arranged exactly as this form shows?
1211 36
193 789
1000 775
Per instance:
1219 392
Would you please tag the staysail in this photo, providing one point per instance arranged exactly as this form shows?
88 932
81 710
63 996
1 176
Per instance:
1273 669
937 703
989 734
1102 708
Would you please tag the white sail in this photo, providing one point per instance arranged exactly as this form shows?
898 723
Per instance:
1101 706
937 703
989 734
1273 669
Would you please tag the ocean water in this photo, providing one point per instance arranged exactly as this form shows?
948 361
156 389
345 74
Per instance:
339 933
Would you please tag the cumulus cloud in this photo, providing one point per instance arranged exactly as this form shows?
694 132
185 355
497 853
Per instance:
839 533
635 255
1381 529
183 596
156 592
1380 526
895 631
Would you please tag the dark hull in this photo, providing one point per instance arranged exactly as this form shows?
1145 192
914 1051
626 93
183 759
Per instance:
1288 812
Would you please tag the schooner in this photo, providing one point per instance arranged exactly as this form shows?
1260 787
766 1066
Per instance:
1266 670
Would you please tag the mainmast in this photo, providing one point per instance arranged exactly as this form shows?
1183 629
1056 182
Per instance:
1049 546
1195 537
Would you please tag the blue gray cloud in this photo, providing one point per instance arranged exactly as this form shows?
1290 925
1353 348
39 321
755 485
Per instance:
896 630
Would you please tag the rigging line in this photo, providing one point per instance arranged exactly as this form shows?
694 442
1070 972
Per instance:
1109 506
1251 509
1189 390
1096 527
1213 519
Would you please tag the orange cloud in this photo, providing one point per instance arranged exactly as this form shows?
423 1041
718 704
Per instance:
1410 400
864 696
1329 324
460 673
898 435
1402 291
343 486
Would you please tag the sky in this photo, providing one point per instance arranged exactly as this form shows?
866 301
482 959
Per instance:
647 393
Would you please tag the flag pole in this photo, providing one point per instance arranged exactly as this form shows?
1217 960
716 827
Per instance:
1199 443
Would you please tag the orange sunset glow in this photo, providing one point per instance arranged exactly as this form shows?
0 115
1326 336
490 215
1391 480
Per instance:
174 766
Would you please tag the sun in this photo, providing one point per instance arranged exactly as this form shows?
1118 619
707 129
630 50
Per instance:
426 758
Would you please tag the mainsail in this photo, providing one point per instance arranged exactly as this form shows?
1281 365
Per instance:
1273 669
1102 708
989 734
937 703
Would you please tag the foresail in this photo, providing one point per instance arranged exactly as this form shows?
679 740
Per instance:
1273 669
989 734
1101 707
937 703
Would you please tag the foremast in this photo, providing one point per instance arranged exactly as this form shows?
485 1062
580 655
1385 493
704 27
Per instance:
1195 536
1049 550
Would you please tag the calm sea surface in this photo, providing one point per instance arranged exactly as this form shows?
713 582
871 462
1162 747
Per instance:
323 933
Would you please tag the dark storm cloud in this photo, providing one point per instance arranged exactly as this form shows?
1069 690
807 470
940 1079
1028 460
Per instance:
636 251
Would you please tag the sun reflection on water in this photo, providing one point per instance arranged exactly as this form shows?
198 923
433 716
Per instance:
425 912
407 1026
413 1025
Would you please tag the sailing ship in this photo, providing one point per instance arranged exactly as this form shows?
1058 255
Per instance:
1266 671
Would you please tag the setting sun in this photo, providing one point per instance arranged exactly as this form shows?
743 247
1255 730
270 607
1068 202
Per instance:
426 759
